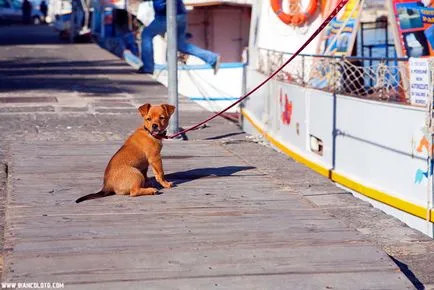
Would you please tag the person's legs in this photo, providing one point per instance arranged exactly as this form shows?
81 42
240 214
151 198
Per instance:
157 26
185 47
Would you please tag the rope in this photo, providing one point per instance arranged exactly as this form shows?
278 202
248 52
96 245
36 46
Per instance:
338 8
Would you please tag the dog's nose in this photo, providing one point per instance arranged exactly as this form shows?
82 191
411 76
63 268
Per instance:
154 126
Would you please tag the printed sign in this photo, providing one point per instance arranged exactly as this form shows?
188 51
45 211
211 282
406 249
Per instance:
420 85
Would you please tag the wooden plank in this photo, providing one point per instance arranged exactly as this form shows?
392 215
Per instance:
225 223
347 280
169 261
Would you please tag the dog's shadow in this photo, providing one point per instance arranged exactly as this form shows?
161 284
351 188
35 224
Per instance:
210 172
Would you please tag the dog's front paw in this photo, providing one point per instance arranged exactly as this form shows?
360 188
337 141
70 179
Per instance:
153 191
167 184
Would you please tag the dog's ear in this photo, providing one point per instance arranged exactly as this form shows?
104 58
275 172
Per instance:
169 109
144 109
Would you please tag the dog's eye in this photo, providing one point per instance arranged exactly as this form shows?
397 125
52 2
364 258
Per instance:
148 119
162 118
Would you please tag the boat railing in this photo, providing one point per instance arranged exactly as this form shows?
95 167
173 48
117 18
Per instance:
375 78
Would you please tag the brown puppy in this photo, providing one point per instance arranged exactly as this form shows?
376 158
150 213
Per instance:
126 172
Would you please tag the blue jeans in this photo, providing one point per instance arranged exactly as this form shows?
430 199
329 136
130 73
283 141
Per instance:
158 26
130 43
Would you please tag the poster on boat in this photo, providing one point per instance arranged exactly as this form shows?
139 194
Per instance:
339 36
338 40
415 27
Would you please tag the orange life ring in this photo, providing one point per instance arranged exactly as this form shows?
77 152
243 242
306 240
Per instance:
296 19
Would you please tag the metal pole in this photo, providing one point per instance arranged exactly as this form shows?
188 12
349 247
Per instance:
334 121
430 125
172 64
387 40
362 41
72 28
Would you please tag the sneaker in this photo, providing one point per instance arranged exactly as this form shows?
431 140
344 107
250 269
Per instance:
216 65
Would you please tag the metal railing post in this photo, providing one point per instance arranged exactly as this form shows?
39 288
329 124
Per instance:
172 64
430 125
302 71
334 115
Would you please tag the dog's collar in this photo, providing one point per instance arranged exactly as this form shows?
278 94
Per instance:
159 136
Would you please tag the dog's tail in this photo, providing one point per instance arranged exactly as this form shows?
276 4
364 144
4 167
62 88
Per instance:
98 194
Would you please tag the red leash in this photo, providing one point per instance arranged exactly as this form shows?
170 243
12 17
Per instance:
338 8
